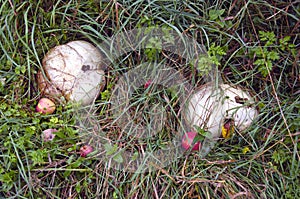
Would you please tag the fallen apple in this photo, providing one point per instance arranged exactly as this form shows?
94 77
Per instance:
74 71
45 106
188 141
147 84
48 135
85 150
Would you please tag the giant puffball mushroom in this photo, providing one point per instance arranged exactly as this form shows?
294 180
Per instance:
74 71
210 106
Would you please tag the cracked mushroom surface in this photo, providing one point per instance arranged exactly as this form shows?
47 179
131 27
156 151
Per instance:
209 108
74 71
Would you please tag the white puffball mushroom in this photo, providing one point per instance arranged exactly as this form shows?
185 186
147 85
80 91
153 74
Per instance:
74 71
210 106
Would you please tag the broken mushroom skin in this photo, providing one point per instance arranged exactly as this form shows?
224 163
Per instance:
74 70
210 106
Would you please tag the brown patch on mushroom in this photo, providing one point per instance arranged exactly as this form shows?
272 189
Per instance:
240 100
85 68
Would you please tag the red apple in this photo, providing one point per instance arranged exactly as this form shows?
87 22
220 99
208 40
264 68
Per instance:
147 84
85 150
48 135
187 141
45 106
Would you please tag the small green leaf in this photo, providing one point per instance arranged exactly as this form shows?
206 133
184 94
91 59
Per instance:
135 156
54 120
67 173
215 14
202 134
259 62
285 40
23 69
246 150
272 55
60 134
118 158
155 43
78 187
204 65
38 156
261 105
77 163
71 158
115 195
280 156
105 95
110 149
169 38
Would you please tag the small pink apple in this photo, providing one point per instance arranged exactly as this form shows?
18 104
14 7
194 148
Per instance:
45 106
85 150
147 84
48 135
187 141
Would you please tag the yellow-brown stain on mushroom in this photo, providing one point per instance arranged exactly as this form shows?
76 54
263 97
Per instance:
228 128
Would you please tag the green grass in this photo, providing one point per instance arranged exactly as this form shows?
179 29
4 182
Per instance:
253 43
